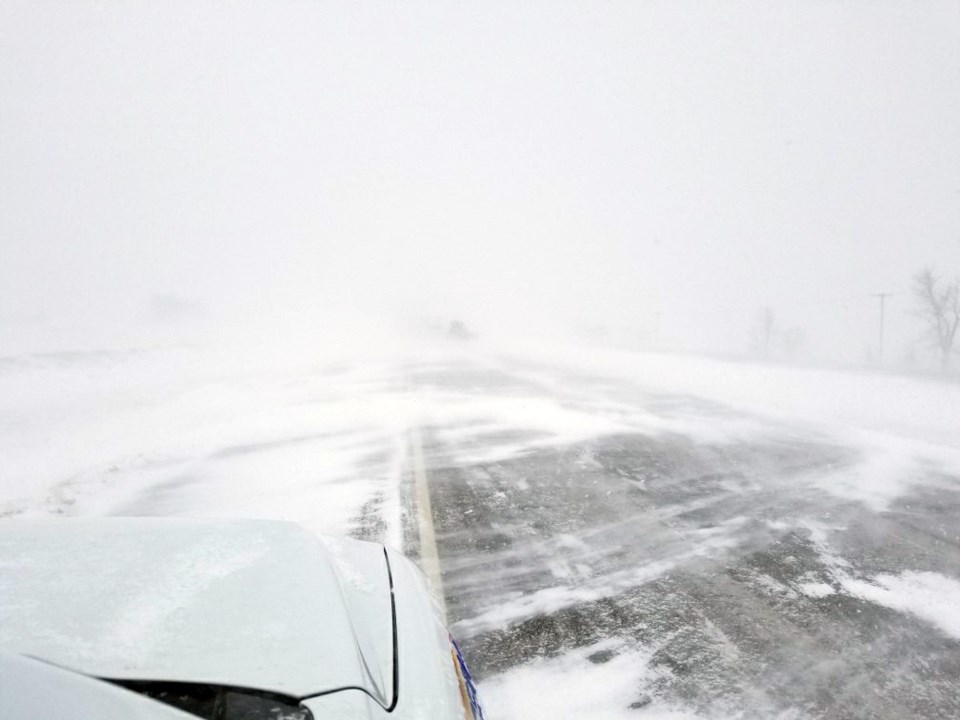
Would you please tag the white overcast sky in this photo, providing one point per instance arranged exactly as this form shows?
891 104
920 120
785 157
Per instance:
513 164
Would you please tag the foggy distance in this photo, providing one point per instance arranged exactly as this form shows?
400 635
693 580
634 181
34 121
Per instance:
658 304
659 169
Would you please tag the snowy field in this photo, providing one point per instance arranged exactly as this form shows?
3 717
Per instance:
188 432
323 440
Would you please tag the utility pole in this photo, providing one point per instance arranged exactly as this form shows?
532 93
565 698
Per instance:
883 297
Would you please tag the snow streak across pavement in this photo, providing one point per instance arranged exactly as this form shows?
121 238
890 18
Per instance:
621 539
612 551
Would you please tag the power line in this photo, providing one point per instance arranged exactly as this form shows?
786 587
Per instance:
883 297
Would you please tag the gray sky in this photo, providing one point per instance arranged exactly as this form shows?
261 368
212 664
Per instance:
541 163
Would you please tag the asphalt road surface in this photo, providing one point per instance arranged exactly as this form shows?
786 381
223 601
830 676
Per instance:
719 559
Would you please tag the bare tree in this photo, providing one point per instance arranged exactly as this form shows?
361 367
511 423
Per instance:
938 305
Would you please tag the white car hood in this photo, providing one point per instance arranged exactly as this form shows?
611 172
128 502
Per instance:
254 604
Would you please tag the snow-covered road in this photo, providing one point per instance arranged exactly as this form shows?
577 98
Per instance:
696 561
620 536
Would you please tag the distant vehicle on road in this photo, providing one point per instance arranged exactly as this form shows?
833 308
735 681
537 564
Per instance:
227 620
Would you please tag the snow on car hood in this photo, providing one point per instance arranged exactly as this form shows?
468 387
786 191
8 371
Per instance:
256 604
33 689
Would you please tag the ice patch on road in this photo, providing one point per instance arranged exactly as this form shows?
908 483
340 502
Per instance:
929 596
575 686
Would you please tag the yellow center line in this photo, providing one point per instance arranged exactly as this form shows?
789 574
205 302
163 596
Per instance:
429 557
